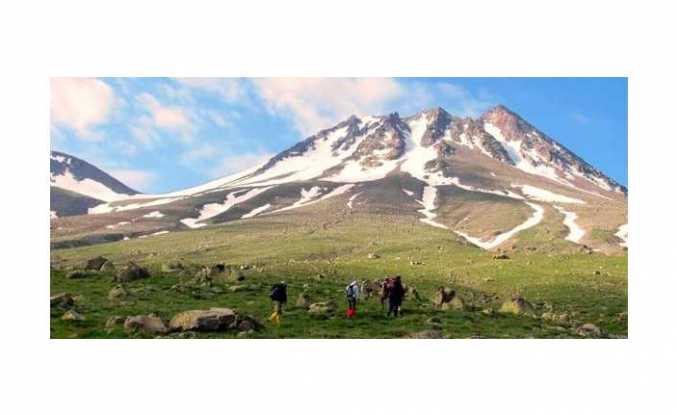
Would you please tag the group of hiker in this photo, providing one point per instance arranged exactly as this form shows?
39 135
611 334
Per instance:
391 293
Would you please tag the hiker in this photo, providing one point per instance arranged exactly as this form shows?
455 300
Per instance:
395 296
384 291
352 292
279 296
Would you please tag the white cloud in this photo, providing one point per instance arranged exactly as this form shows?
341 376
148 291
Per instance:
236 163
81 104
200 152
229 89
316 103
458 100
139 180
167 117
580 118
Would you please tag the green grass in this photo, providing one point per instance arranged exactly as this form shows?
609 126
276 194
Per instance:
298 248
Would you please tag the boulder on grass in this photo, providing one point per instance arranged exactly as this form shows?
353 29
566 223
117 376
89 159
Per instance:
113 322
117 293
214 319
76 275
72 315
303 300
589 330
455 304
131 272
107 267
95 264
425 334
61 300
247 324
150 324
322 308
517 305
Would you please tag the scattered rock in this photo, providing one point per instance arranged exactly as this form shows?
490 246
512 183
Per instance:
117 293
303 301
589 330
247 323
108 267
72 315
322 308
425 334
502 255
95 264
150 323
114 321
456 304
597 273
373 255
562 318
517 305
489 312
131 272
446 299
415 263
61 300
214 319
172 266
78 275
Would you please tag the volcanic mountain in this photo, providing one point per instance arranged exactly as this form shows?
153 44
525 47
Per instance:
489 181
77 186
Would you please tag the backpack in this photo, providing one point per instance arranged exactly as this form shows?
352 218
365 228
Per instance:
278 293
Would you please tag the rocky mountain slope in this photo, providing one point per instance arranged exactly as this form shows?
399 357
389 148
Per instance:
489 181
77 186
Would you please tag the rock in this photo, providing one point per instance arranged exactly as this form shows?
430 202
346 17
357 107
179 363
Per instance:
322 308
78 275
146 323
502 255
456 304
117 293
415 263
373 255
95 264
303 301
425 334
488 312
517 305
108 267
72 315
247 323
597 273
245 334
214 319
61 300
203 276
131 272
562 318
114 321
589 330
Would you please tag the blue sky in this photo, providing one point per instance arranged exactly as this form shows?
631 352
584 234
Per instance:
164 134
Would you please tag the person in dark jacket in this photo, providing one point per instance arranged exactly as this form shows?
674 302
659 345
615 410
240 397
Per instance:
395 296
278 295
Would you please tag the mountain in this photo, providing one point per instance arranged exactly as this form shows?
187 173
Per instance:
77 186
490 181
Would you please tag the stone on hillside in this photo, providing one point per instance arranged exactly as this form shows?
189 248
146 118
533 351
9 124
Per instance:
589 330
247 323
373 255
131 272
303 301
107 267
425 334
61 300
114 321
75 275
95 264
502 255
455 304
146 323
517 305
72 315
117 293
214 319
322 308
562 318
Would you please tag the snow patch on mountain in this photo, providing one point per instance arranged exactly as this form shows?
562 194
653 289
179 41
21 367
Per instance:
576 233
87 187
154 214
350 201
53 215
211 210
108 208
543 195
117 225
428 201
534 220
256 211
